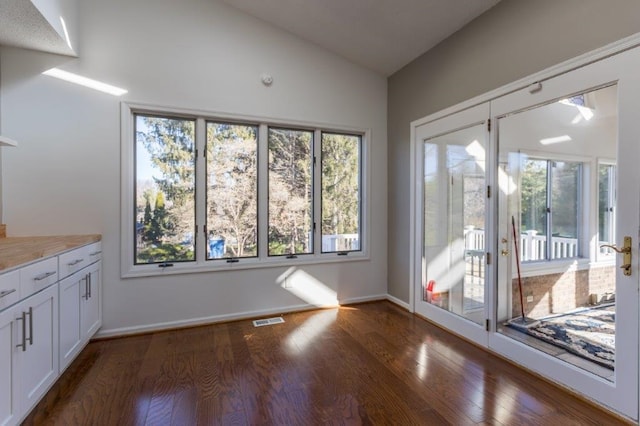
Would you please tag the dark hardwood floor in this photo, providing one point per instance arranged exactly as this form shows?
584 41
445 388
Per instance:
364 364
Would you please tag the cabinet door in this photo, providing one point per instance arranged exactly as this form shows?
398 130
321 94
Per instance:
92 301
38 363
8 403
71 289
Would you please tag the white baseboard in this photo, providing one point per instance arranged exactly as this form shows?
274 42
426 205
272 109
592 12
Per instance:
363 299
126 331
399 302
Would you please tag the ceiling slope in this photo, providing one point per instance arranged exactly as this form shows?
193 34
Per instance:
381 35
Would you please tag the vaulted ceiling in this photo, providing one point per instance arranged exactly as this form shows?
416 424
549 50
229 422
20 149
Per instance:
382 35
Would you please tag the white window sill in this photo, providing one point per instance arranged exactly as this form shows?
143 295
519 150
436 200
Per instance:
153 270
553 267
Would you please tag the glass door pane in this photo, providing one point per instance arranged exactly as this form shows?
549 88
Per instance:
557 293
454 222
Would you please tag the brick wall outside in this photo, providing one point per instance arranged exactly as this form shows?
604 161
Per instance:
557 293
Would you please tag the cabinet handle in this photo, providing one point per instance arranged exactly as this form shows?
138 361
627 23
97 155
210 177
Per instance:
85 296
95 253
89 285
30 338
23 345
75 262
6 292
44 275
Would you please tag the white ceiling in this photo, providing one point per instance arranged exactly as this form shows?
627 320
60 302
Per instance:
382 35
22 25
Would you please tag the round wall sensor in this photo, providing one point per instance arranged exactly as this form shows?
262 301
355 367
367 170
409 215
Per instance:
267 80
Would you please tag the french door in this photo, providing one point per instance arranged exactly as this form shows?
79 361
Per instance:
527 215
451 175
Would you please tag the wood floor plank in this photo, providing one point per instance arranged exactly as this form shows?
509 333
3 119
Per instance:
365 364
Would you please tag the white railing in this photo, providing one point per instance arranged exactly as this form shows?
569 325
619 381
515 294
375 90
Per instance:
473 239
532 246
340 242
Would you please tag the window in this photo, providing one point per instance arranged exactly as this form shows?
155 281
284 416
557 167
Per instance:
164 189
232 190
606 205
551 206
211 193
290 192
340 192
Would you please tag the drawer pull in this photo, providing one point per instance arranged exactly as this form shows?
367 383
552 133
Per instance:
7 292
44 275
75 262
95 253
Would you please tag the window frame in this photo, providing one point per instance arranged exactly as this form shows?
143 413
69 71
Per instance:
586 221
128 169
134 141
360 185
581 218
314 183
207 122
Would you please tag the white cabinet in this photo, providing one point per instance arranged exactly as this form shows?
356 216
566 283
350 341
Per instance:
80 311
44 324
8 405
36 346
70 336
9 295
28 353
91 303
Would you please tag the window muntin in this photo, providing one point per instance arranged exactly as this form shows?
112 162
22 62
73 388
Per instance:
340 192
551 206
290 191
164 189
232 190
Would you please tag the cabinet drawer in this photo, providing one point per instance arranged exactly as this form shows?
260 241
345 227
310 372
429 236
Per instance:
94 252
9 289
72 261
40 275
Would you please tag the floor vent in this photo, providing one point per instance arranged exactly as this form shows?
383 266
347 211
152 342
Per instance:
268 321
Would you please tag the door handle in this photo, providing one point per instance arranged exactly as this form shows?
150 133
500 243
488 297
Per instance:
625 251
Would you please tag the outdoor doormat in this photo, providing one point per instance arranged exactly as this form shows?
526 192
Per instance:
588 333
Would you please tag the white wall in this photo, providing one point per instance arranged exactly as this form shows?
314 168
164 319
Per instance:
64 178
513 39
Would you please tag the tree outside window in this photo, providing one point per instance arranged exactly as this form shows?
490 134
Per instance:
166 183
164 189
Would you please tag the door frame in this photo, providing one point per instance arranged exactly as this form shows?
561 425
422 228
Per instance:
605 394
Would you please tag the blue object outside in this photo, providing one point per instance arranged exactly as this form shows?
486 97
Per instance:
216 248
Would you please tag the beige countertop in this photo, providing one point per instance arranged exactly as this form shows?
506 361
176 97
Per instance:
16 251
